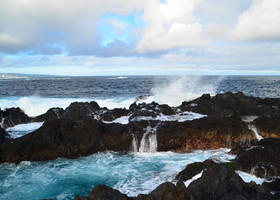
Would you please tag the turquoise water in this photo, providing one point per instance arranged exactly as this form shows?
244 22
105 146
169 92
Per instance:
65 178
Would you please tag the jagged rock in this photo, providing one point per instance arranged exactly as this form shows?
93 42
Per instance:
204 133
110 115
218 182
268 126
168 191
53 113
273 187
12 116
263 160
193 169
4 136
75 134
103 192
232 104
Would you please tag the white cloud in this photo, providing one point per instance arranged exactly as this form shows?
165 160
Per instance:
260 22
170 25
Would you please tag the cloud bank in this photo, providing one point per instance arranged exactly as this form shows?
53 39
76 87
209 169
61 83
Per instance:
171 36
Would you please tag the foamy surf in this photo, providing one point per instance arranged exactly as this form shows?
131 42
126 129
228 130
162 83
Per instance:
23 129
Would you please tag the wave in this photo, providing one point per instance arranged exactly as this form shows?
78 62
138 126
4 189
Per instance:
35 105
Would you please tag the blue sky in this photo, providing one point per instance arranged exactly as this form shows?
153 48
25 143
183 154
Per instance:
140 37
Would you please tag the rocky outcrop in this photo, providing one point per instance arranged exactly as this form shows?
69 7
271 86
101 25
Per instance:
4 137
268 126
103 192
262 160
216 183
193 169
85 128
76 133
12 116
53 113
232 104
208 133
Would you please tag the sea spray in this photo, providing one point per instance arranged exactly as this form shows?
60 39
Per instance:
183 88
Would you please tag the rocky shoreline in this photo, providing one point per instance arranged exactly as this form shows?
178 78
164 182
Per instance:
204 123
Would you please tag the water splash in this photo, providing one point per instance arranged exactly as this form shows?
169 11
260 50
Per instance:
134 143
148 143
183 88
249 120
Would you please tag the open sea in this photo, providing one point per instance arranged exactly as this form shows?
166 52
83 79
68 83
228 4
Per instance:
131 173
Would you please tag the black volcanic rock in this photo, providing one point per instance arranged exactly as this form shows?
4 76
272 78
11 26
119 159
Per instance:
268 126
13 116
232 104
111 115
52 113
76 133
263 160
4 136
193 169
218 182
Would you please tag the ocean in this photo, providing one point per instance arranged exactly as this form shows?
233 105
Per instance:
131 173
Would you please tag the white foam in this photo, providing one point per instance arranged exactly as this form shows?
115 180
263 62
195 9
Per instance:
185 116
120 120
23 129
35 105
250 177
187 183
248 119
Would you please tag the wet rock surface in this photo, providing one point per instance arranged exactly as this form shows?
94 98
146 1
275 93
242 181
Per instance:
216 183
262 160
85 128
12 116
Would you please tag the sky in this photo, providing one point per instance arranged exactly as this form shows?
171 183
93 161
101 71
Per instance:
140 37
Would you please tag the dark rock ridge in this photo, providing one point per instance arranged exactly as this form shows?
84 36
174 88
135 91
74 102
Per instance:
53 113
262 160
85 128
216 183
12 116
232 104
4 136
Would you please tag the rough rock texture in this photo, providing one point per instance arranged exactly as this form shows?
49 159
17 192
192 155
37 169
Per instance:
75 134
218 182
232 104
103 192
273 187
268 126
12 116
208 133
168 191
53 113
4 137
263 160
193 169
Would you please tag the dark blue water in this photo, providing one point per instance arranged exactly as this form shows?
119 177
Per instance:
36 95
